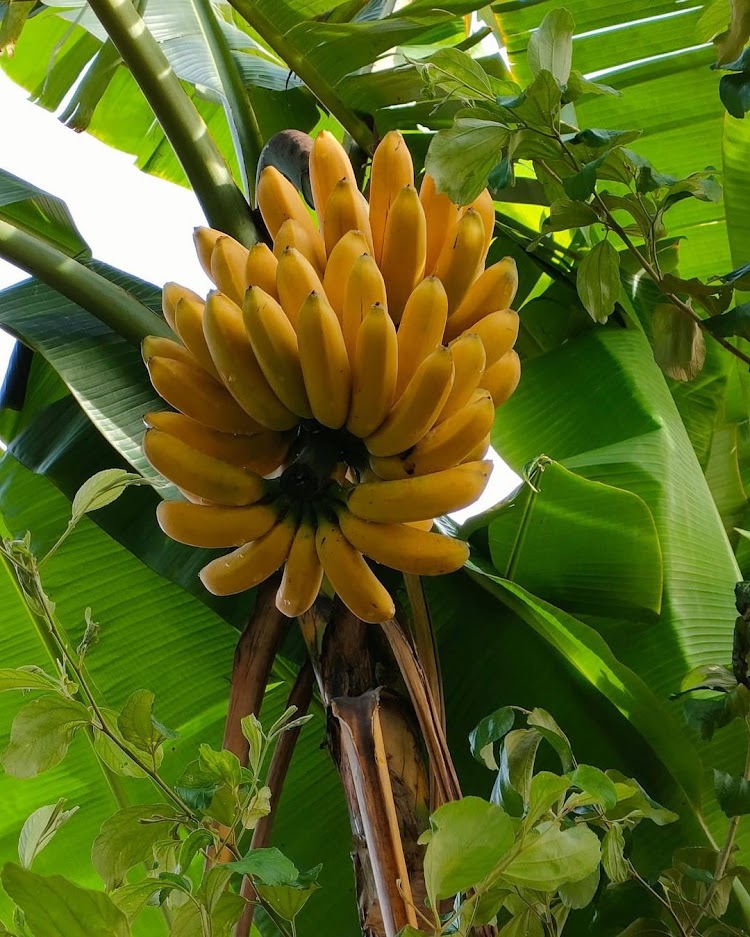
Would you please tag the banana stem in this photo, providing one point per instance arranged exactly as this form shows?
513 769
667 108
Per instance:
204 165
111 304
301 66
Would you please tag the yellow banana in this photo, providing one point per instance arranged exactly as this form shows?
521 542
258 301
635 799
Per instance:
441 214
156 346
421 328
485 207
356 584
195 393
262 453
171 294
201 474
469 359
188 323
261 269
502 378
325 363
346 210
303 573
461 258
295 280
493 289
427 524
274 342
293 234
498 331
236 362
415 412
404 246
252 563
228 268
448 444
391 170
351 246
420 497
279 200
480 451
374 366
205 240
364 288
214 525
329 164
403 547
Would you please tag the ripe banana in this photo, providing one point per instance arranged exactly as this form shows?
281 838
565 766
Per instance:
196 394
293 234
328 165
469 359
214 525
364 288
274 343
441 214
391 170
420 497
156 346
325 363
421 328
295 280
252 563
484 205
345 210
357 586
493 289
262 453
374 367
279 200
236 362
188 323
205 240
170 296
419 405
228 268
351 246
303 573
201 474
502 378
461 258
404 245
498 331
261 269
403 547
448 444
480 451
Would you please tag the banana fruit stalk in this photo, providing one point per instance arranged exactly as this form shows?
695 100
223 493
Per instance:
336 391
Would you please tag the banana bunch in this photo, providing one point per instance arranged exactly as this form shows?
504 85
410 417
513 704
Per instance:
336 392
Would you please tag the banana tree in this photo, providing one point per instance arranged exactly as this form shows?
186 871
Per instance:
607 578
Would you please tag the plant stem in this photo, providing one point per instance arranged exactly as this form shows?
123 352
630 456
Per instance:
302 66
239 111
204 165
111 304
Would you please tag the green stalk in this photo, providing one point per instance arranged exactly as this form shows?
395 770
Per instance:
111 304
301 66
204 165
242 120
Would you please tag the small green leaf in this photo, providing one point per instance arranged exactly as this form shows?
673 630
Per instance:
188 921
596 138
539 106
224 766
257 807
525 923
517 757
635 804
708 715
734 93
253 732
733 794
615 864
25 679
577 895
39 829
111 753
553 857
461 158
410 931
581 185
679 345
456 73
468 839
195 842
551 46
565 214
269 866
102 489
132 899
734 322
288 900
490 730
41 735
595 783
53 906
551 732
598 281
138 726
546 789
578 86
130 837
